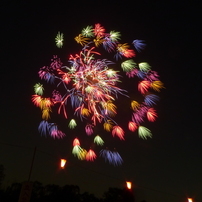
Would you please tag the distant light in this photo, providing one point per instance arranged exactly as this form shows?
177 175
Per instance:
129 184
62 163
190 200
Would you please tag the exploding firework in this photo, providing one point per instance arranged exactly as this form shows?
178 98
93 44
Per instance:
89 85
59 40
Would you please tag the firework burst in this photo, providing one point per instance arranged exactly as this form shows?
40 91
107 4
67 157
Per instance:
89 85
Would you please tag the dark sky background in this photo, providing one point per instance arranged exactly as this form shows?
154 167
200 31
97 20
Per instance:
164 168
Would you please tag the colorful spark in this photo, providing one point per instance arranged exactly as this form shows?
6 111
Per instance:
87 89
59 40
98 140
112 157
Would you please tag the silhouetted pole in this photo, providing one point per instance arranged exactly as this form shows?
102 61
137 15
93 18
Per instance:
26 189
30 171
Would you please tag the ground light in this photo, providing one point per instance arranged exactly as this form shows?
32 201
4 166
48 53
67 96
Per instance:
62 163
129 185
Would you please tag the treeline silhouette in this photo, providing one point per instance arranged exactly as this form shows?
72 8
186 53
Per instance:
70 193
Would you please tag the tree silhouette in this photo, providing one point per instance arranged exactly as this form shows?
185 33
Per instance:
70 193
118 195
12 192
86 197
38 192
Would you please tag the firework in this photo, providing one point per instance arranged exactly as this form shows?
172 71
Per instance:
112 157
98 140
86 91
59 40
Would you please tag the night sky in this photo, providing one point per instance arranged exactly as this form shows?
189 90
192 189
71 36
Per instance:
164 168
